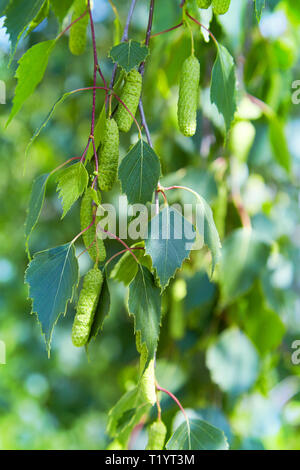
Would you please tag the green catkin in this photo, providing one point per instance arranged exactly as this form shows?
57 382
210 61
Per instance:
220 208
86 307
188 96
86 216
177 324
148 384
147 381
130 96
204 3
78 32
109 156
220 6
156 436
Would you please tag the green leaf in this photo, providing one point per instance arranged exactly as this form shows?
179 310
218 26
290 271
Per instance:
19 15
169 242
244 255
30 72
139 172
117 25
129 54
35 204
102 310
279 144
263 326
233 362
98 134
126 268
45 122
3 6
198 179
72 182
61 8
193 9
259 5
52 277
41 16
207 229
200 292
223 83
144 303
205 224
126 414
198 435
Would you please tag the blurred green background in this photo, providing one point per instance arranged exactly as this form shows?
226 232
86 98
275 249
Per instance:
226 356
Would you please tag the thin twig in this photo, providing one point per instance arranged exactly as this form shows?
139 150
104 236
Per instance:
95 73
204 27
87 249
156 202
158 407
84 230
144 123
119 240
160 190
124 38
71 24
244 216
266 109
63 164
133 117
136 431
148 33
121 252
142 70
85 150
117 98
175 399
96 164
185 188
96 62
96 68
166 30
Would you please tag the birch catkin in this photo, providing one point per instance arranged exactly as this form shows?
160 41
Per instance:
109 156
188 96
156 436
220 6
148 384
130 96
147 381
78 32
86 217
86 307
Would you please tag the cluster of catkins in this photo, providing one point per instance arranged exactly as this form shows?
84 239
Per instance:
108 164
108 150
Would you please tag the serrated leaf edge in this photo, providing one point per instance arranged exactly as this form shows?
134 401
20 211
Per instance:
128 42
69 301
131 314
